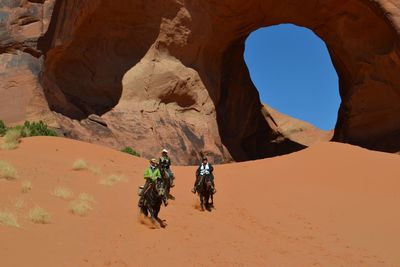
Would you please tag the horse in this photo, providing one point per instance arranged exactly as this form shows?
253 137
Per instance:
167 183
205 191
153 197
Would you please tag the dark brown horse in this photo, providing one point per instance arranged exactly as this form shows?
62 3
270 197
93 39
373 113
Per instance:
153 197
205 191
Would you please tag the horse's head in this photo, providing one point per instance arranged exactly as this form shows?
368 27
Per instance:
205 180
160 188
208 182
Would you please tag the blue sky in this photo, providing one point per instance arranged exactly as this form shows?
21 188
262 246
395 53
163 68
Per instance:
293 72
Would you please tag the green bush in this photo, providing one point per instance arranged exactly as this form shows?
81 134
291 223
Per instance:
3 128
131 151
36 129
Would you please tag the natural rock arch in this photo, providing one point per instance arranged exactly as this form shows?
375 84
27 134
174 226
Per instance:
171 73
364 47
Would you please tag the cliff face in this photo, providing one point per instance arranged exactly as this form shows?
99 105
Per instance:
21 25
171 73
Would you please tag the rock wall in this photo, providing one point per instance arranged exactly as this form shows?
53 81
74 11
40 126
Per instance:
171 73
21 62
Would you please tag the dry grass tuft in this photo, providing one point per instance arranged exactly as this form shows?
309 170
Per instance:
62 192
39 215
26 186
80 207
79 165
112 179
8 219
11 139
9 146
7 171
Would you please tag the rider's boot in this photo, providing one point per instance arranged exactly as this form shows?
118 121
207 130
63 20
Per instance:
195 185
171 179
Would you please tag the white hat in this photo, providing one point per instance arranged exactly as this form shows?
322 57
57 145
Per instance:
165 151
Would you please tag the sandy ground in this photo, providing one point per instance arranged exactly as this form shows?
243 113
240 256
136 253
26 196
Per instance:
329 205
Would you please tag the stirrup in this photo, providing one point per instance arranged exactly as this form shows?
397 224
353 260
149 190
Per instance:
194 190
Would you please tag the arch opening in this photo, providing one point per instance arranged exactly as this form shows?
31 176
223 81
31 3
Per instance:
293 72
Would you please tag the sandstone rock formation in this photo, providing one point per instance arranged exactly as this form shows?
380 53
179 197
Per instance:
171 73
296 130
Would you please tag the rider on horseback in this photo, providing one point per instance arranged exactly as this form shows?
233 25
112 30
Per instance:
165 163
205 168
151 175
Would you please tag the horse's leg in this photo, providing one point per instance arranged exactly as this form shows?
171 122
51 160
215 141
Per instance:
207 198
152 214
144 211
157 210
202 202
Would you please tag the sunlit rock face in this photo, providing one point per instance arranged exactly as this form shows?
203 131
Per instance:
170 73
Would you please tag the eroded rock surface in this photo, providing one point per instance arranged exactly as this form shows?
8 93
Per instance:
171 73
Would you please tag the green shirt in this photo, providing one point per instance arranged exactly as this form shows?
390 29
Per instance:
152 174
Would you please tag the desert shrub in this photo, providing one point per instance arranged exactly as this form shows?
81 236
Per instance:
3 128
80 207
79 164
112 179
36 129
7 171
11 139
9 146
26 186
131 151
39 215
8 219
62 192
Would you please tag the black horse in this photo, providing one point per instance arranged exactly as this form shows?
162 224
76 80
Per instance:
205 191
153 197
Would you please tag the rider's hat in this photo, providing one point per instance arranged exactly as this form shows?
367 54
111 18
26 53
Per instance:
165 151
153 161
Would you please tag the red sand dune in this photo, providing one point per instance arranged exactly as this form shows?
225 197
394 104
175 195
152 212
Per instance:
329 205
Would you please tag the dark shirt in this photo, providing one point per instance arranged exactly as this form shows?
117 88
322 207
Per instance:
165 162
